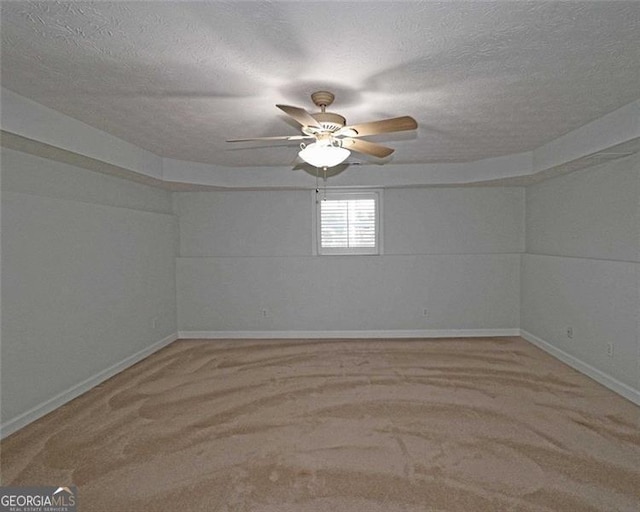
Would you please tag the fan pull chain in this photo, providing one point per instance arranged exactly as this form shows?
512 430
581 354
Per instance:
324 169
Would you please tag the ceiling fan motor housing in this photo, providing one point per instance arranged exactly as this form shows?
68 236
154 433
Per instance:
329 121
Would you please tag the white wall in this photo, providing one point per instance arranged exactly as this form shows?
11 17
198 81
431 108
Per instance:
581 269
88 277
454 252
89 267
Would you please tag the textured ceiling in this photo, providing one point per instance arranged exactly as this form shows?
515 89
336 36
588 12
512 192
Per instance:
177 78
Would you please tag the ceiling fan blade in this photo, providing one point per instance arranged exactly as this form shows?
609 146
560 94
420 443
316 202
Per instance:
366 147
299 114
396 124
283 137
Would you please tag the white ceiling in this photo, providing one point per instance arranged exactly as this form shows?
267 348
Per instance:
482 79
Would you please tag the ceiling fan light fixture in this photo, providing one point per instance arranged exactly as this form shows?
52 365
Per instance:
324 155
334 140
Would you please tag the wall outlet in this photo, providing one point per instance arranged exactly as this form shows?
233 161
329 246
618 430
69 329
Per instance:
154 322
610 349
264 313
425 312
570 333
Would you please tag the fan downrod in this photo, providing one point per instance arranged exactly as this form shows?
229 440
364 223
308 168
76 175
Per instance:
329 121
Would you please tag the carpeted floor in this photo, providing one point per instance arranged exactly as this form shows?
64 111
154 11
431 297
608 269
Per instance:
469 425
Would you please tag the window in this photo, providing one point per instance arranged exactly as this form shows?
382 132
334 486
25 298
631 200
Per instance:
348 222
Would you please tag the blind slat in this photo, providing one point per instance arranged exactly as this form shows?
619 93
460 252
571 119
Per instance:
348 223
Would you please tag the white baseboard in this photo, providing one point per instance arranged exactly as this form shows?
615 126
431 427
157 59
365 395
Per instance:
14 424
598 375
53 403
396 333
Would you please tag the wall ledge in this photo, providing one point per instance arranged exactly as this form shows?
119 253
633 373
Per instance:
39 130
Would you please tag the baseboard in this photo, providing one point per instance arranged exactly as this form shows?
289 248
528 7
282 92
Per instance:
598 375
396 333
48 406
14 424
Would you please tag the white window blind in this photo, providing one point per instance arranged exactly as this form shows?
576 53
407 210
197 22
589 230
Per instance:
348 223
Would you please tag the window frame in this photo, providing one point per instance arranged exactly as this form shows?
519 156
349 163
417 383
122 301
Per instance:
346 194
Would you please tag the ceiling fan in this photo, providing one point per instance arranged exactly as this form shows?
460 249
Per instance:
333 140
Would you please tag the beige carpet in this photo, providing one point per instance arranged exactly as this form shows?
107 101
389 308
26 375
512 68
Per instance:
470 425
